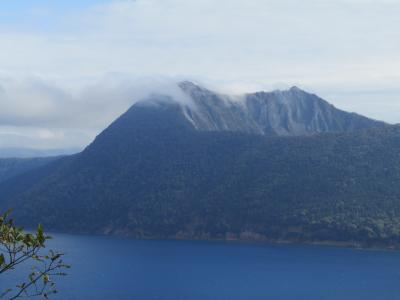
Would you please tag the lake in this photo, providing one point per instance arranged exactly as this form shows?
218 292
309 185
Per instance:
115 268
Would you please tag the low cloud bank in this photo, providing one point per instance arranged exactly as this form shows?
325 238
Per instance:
44 113
39 113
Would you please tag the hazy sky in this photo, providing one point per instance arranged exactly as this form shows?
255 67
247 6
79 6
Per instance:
69 67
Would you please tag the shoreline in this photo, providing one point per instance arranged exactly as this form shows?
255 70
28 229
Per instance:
264 241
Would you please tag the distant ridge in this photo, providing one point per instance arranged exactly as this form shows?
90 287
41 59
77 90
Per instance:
33 153
11 167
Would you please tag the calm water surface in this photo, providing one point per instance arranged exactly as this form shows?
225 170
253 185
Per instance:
113 268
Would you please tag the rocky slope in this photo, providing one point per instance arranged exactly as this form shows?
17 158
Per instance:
285 113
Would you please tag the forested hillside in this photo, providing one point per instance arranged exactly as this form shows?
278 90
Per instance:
10 167
151 174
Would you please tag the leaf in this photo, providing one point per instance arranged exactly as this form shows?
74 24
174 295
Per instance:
40 235
46 279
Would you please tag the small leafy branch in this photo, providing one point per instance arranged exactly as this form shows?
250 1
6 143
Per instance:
18 247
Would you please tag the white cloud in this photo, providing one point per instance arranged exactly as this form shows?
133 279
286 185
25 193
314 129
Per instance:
275 40
50 114
345 50
43 138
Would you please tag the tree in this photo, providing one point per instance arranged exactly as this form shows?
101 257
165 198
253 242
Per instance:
18 249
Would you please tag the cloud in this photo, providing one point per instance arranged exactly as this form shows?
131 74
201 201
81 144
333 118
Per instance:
344 50
42 113
44 138
270 41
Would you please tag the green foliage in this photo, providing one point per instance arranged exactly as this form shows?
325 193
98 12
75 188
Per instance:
151 175
18 248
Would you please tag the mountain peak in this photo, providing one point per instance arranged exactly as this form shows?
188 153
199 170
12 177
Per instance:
289 112
189 86
296 89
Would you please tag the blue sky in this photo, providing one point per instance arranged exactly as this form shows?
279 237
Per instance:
20 8
39 15
57 55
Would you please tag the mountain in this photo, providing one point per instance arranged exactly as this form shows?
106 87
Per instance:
34 153
168 170
11 167
284 113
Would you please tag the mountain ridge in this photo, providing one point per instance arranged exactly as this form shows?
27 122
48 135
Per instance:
16 153
153 174
11 167
290 112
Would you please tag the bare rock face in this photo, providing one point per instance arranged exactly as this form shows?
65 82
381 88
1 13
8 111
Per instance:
286 113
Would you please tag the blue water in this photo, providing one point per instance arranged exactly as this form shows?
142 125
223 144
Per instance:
113 268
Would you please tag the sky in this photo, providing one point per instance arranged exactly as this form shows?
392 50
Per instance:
68 67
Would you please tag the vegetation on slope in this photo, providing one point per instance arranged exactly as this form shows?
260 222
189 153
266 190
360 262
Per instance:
151 175
10 167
